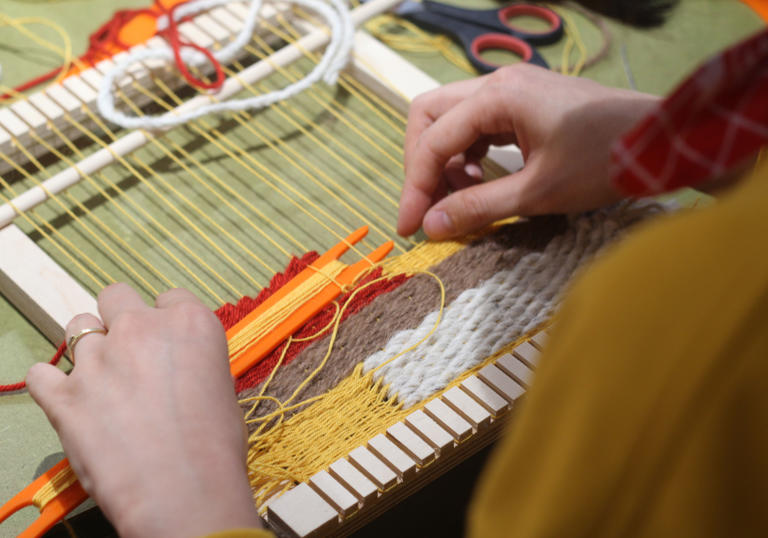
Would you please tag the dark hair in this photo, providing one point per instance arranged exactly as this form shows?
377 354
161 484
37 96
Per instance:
642 13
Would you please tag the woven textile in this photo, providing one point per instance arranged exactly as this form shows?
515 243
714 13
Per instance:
502 308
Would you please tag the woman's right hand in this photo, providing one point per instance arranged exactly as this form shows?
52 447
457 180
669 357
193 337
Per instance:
564 127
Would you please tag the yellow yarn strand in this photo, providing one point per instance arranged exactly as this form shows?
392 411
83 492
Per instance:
56 485
279 312
400 34
19 24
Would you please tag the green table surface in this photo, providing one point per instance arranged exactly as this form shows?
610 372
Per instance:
657 59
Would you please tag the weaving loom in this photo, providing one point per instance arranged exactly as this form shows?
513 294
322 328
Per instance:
397 405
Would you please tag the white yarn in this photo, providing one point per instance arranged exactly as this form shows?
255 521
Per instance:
481 320
334 59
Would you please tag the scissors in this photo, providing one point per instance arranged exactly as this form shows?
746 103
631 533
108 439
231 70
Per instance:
481 29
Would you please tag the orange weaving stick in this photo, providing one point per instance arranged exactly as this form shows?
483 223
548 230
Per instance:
333 254
54 510
262 347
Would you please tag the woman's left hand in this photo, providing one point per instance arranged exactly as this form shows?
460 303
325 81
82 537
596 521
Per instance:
148 416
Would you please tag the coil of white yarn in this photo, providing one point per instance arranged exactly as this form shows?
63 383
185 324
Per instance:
336 55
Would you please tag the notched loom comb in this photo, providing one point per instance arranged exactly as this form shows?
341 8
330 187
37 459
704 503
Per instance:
260 348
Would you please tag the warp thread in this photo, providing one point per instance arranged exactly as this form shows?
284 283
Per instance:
335 57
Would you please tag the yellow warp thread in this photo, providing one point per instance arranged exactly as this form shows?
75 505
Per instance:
56 485
279 312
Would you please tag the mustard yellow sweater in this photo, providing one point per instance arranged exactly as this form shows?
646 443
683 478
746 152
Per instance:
649 413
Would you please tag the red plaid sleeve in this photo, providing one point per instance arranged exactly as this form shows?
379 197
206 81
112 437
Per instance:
717 118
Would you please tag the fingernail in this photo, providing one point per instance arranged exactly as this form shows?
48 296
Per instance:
473 170
438 224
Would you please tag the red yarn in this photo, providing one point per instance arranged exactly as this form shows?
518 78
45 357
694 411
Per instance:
261 371
176 43
102 43
54 361
230 314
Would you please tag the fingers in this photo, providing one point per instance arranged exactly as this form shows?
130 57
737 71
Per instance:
176 296
88 344
43 381
474 207
116 299
415 199
479 116
427 107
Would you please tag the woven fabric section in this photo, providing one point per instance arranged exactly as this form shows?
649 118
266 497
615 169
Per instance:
483 319
403 308
347 416
230 314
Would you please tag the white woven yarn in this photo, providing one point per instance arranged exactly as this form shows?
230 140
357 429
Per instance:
336 55
481 320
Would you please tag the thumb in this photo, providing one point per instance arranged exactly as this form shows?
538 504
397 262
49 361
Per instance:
43 381
473 208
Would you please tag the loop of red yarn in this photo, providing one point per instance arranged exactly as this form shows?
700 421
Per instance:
54 361
176 43
101 44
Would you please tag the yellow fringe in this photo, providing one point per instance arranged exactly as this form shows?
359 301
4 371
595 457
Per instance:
347 416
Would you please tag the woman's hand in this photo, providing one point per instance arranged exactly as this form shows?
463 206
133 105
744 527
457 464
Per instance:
148 416
564 127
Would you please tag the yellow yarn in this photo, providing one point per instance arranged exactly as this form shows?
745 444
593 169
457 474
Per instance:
403 35
345 417
65 51
283 452
56 485
284 308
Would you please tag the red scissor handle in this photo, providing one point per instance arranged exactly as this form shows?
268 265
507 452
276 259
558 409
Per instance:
504 42
519 10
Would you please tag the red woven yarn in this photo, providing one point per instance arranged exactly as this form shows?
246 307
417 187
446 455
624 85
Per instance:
230 314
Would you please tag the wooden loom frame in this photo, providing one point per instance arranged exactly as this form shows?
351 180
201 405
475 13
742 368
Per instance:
49 297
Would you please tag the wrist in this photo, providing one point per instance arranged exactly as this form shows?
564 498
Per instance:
195 506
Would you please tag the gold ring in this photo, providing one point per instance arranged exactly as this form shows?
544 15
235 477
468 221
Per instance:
75 338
